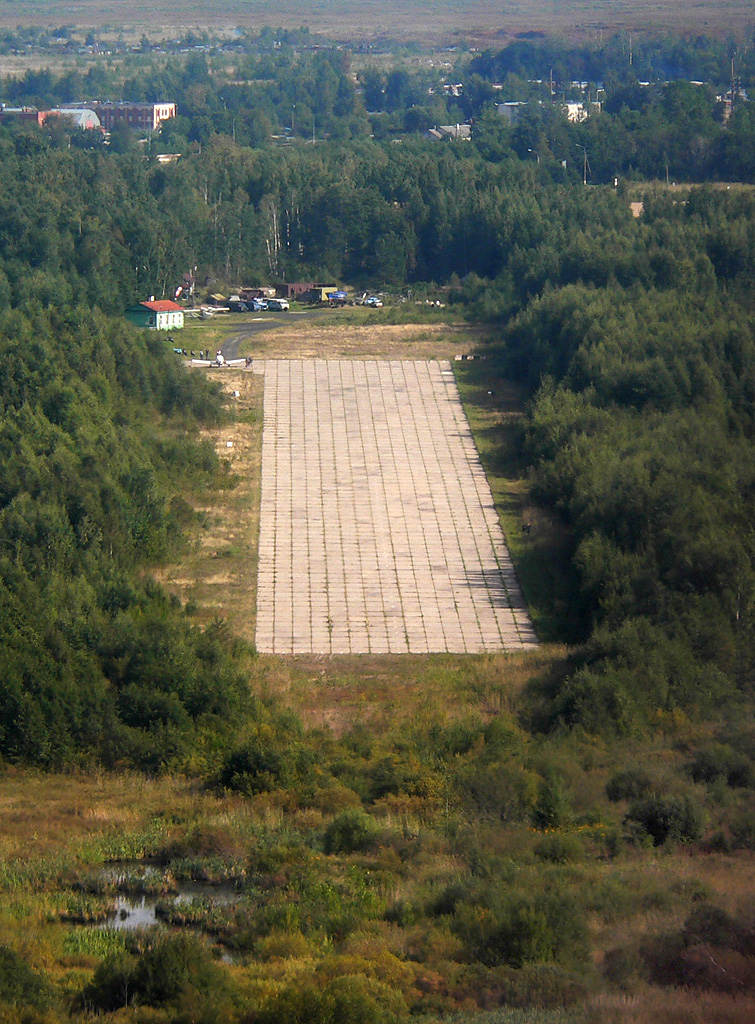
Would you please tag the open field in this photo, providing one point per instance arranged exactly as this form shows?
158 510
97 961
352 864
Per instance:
485 22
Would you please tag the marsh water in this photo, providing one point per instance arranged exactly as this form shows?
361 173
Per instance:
134 910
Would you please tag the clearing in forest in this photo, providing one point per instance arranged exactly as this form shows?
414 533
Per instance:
378 531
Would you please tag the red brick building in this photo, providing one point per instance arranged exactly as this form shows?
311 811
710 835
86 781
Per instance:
140 116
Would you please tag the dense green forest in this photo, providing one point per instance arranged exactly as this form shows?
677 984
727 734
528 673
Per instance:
633 336
99 666
517 852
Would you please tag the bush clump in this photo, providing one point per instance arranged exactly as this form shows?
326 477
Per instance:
170 969
519 930
668 818
559 848
720 761
350 999
629 784
351 831
20 985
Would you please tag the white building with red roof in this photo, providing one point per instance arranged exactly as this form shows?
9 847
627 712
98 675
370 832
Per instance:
157 315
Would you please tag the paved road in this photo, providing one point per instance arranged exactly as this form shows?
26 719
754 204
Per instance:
378 532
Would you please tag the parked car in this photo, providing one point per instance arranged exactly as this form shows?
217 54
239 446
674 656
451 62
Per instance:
236 306
258 304
279 305
373 301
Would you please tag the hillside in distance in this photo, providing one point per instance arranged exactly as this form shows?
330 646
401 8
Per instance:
485 20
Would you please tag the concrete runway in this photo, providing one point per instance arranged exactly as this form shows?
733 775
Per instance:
378 532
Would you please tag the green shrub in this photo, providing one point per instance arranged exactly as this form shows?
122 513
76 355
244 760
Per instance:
559 848
171 967
448 899
501 790
351 999
743 830
720 761
113 983
19 984
625 968
518 930
629 784
350 831
552 806
515 933
668 818
711 924
258 767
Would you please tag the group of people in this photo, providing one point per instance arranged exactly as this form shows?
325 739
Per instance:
219 359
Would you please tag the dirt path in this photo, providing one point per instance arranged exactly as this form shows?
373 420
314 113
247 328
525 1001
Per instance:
308 339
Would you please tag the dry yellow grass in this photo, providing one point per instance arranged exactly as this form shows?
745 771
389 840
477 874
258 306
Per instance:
670 1006
332 340
482 20
219 572
382 692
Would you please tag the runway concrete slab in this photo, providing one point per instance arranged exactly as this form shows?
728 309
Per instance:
378 531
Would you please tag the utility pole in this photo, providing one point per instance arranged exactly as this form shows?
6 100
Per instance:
585 164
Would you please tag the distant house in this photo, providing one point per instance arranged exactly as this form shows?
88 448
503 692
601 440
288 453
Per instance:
160 315
578 112
139 116
103 116
261 292
511 109
450 131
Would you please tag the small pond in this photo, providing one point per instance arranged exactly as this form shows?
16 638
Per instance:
132 912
